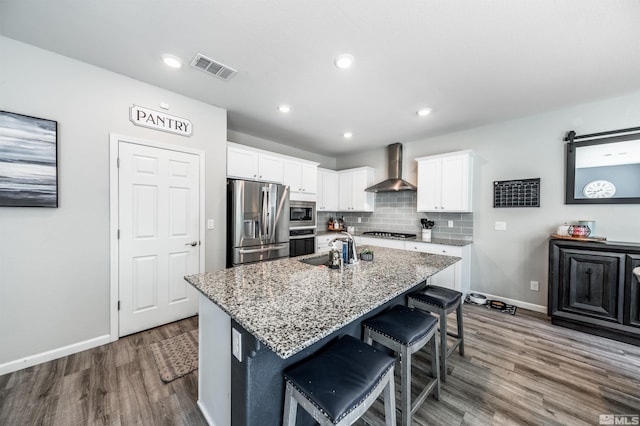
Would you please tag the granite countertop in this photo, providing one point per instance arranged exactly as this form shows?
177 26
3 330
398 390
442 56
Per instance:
289 305
418 239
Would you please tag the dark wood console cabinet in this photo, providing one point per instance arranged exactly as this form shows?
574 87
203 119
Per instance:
592 288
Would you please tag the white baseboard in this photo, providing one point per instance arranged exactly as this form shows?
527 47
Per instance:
19 364
518 303
205 413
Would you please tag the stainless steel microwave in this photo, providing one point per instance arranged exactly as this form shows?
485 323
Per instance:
302 214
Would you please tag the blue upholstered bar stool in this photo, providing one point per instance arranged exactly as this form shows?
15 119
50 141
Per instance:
441 301
406 331
337 386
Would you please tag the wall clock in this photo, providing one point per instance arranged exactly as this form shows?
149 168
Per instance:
599 189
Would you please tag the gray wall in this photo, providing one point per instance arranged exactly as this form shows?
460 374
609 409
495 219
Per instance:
54 263
504 262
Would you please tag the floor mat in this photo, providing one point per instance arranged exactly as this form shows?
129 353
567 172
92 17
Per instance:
176 356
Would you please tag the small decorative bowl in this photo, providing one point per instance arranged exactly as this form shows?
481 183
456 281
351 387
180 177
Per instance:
366 256
579 230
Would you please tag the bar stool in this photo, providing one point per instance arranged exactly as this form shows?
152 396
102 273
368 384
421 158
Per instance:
337 386
441 301
406 331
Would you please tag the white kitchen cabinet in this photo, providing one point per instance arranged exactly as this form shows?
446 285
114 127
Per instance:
352 195
322 242
302 178
445 182
248 163
456 276
327 195
380 242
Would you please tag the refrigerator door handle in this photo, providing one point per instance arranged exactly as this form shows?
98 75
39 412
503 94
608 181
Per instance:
265 213
260 250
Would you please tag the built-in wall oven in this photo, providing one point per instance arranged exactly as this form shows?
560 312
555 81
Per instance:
302 241
302 228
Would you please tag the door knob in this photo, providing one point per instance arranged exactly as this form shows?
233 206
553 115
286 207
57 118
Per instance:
192 244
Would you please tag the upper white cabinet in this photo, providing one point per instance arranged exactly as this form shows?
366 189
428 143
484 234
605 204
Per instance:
352 194
247 163
302 178
255 164
445 182
327 196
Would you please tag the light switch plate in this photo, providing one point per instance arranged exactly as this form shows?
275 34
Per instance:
210 224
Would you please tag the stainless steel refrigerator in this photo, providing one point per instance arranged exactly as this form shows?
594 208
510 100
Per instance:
257 221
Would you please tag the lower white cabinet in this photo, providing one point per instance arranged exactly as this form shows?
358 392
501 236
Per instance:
456 276
380 242
322 243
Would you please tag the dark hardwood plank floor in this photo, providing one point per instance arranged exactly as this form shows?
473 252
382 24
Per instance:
517 370
114 384
522 370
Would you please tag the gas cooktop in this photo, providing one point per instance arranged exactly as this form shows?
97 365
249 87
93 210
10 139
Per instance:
389 234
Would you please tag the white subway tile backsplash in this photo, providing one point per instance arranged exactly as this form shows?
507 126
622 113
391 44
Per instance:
396 212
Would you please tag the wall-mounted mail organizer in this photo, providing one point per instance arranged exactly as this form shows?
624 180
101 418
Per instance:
516 193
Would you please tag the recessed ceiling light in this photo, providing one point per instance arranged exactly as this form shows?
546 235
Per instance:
344 61
284 108
172 61
347 135
424 112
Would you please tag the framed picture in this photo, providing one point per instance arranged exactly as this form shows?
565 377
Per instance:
28 161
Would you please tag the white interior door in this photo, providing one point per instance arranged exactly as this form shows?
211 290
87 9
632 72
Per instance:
159 208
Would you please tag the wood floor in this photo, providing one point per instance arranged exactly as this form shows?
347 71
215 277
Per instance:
521 370
114 384
517 370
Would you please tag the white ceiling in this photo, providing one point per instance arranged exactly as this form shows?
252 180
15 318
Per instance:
473 61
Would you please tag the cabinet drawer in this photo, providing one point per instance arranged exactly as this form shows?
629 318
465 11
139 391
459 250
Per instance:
434 248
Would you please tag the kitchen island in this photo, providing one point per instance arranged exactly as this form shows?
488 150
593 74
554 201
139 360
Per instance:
256 320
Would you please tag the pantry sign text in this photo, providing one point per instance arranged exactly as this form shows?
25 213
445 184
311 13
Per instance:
146 117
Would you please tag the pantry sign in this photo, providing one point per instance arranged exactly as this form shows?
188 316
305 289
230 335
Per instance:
146 117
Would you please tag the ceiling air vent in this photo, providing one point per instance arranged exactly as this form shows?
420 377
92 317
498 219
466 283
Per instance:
212 67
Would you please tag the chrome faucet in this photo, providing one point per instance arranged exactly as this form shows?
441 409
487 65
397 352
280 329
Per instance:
352 257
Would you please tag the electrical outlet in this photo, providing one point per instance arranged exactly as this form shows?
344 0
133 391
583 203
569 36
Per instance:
359 220
450 224
500 226
236 344
535 286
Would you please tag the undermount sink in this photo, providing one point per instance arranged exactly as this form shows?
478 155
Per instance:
317 260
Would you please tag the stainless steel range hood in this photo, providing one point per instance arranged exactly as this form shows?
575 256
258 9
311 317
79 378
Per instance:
394 173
